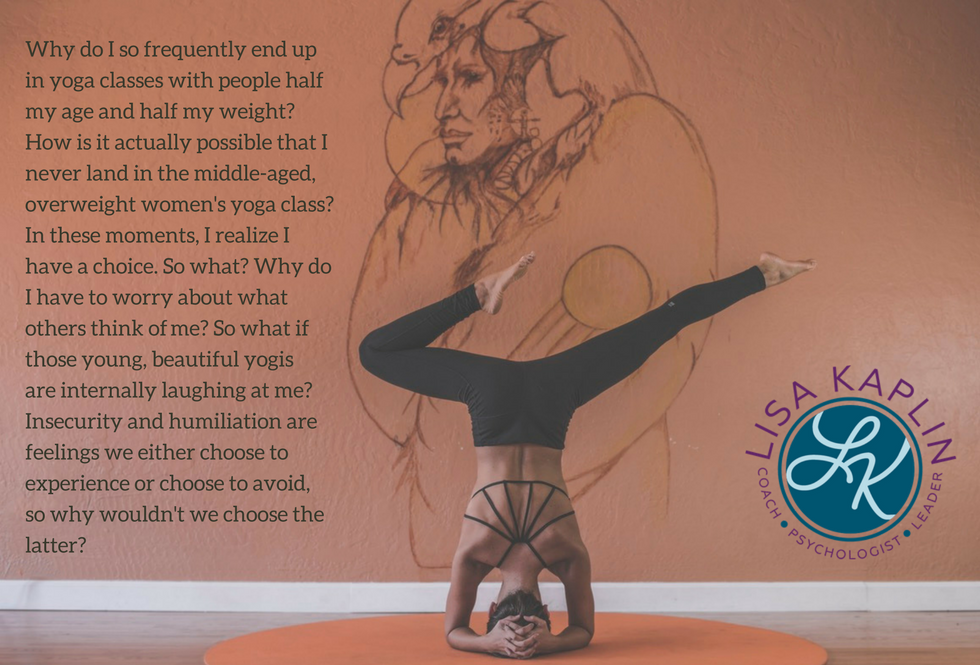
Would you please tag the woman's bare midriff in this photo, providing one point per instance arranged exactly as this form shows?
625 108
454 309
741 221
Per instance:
520 461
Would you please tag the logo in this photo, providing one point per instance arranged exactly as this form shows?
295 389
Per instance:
848 469
849 479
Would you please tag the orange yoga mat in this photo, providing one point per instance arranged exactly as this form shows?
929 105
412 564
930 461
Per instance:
418 638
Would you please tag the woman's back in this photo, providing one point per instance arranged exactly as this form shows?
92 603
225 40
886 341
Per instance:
520 513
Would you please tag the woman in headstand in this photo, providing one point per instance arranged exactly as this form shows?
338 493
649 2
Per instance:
519 518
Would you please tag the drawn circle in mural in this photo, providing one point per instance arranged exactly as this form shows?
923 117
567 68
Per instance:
850 469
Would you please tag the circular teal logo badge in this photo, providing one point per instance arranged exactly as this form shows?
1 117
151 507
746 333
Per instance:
850 469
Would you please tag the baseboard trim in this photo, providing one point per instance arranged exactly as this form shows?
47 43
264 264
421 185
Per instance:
371 597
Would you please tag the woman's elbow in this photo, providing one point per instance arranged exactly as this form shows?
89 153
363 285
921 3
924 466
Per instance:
585 636
453 639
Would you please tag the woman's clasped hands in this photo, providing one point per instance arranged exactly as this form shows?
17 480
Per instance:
510 639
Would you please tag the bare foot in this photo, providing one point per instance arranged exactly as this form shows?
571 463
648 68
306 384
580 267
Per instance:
490 289
777 271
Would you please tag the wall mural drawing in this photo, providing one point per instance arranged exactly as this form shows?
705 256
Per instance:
521 126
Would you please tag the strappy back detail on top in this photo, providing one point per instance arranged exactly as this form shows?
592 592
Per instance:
519 531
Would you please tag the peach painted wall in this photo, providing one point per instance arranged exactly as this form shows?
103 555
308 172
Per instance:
844 131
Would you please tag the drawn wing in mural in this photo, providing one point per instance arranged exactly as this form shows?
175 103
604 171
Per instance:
534 125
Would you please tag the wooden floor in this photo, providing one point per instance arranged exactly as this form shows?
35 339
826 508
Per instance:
179 638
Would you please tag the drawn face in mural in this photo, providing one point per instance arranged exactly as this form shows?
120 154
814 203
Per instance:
473 119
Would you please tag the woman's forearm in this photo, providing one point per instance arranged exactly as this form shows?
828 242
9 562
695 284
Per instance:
569 639
464 639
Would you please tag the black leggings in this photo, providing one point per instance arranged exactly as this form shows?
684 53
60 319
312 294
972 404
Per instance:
533 401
